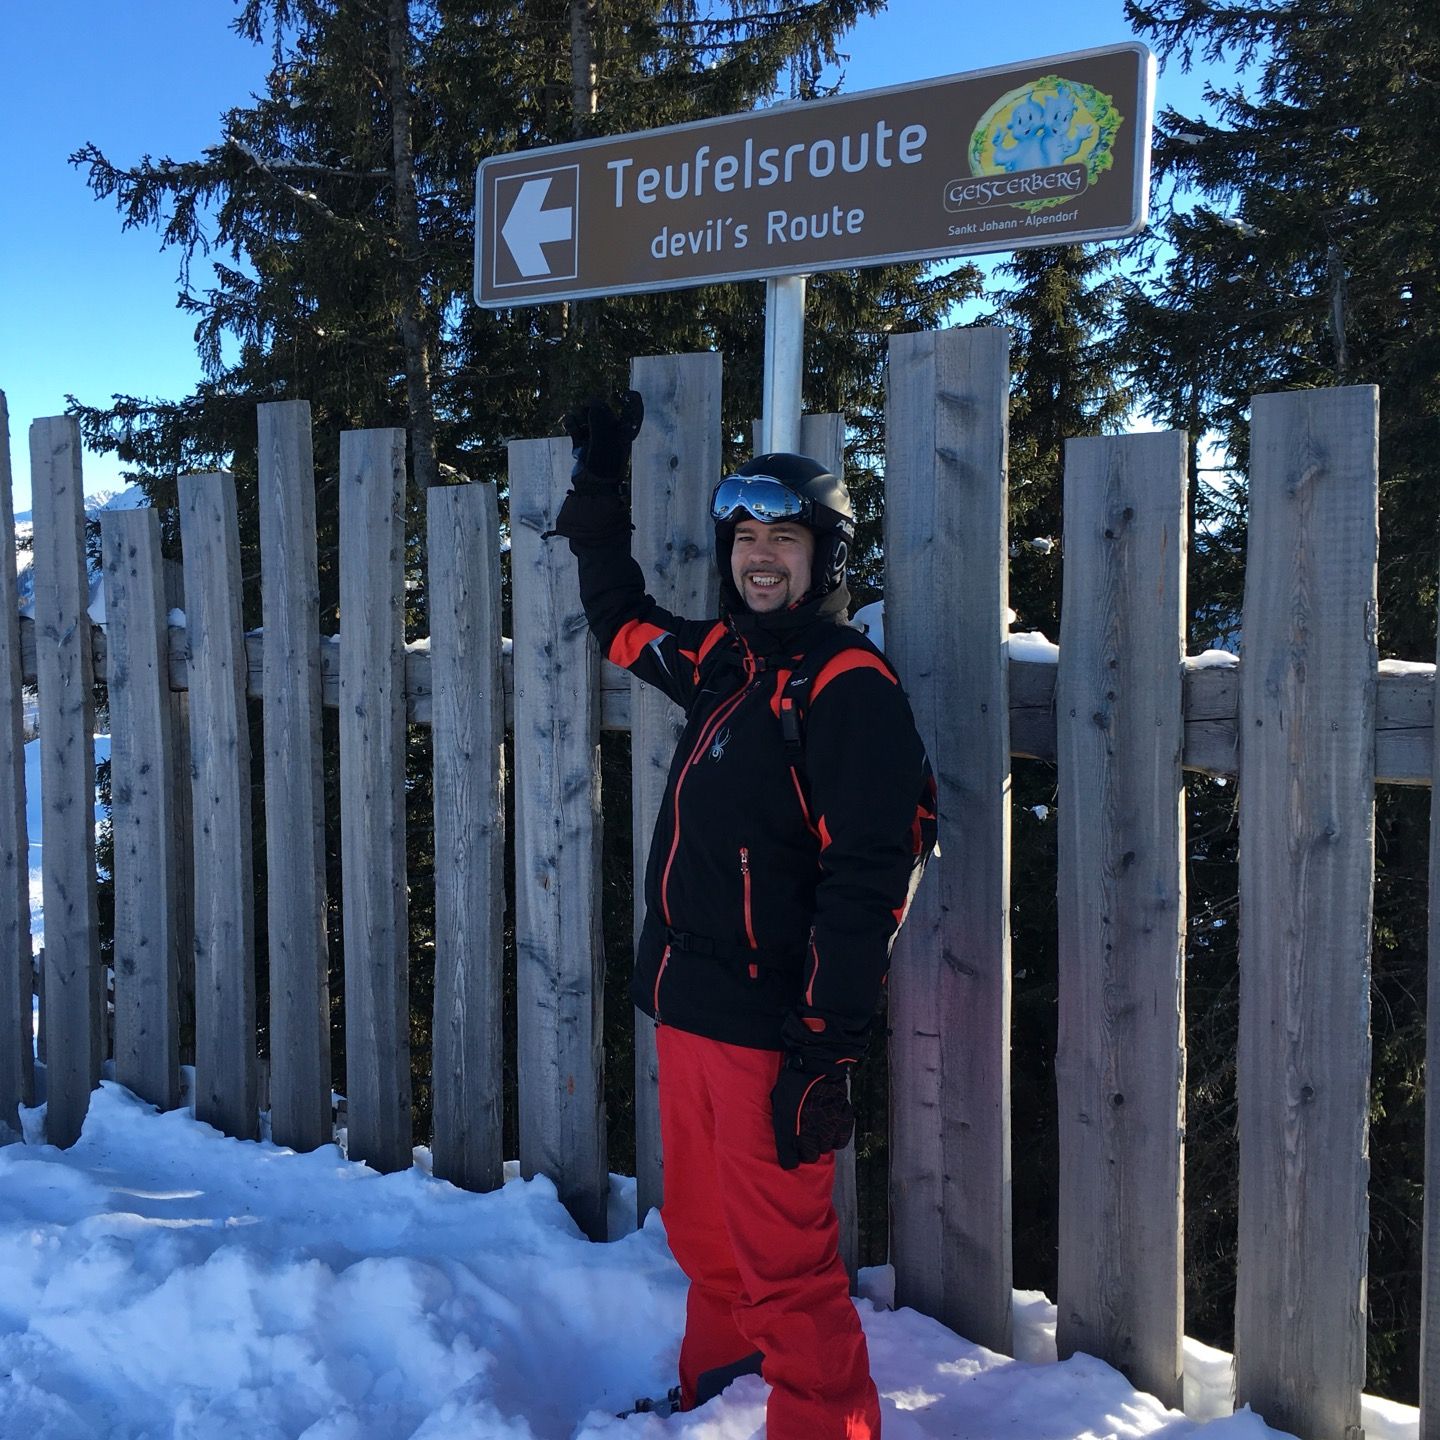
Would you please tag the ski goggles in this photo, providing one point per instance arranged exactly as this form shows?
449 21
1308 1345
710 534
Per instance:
762 496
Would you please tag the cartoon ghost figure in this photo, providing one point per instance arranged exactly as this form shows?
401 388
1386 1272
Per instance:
1026 128
1056 142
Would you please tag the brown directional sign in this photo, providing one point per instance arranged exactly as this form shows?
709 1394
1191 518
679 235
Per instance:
1043 153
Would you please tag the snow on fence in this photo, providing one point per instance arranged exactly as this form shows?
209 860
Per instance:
1309 722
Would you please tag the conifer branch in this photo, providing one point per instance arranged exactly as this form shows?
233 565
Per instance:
306 197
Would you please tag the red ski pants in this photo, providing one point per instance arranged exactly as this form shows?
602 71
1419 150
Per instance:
760 1245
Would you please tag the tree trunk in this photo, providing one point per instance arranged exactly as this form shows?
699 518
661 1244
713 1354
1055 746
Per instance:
583 94
1335 267
413 334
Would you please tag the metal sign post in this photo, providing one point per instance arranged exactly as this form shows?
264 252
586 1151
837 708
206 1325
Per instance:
784 362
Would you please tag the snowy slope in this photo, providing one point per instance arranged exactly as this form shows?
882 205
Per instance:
163 1280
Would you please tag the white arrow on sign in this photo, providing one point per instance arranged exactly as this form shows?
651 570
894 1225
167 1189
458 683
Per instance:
529 226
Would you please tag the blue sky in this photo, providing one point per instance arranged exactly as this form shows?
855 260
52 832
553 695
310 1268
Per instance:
89 310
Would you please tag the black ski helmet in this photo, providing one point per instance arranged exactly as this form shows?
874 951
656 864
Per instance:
824 509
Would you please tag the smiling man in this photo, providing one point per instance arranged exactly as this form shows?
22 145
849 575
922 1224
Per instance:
770 564
798 814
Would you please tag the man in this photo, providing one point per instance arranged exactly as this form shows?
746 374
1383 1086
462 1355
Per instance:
798 813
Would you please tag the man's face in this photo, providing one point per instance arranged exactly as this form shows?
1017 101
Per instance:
771 564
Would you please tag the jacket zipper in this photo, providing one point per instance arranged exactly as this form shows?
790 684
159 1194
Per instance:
660 975
749 918
706 735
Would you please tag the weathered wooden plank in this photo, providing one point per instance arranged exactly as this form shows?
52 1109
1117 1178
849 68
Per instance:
294 787
1032 709
17 1068
468 727
917 1163
1120 1060
372 797
183 907
1430 1244
1404 724
142 811
183 902
1307 712
947 582
226 1086
557 845
1212 719
674 466
73 1011
822 437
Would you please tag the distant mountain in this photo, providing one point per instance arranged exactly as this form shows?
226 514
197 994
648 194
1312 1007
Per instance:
130 498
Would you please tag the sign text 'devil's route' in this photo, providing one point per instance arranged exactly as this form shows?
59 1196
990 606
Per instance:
1044 153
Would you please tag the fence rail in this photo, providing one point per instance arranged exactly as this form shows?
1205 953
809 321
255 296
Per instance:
1404 700
1308 721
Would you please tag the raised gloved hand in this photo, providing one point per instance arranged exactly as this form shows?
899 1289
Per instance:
810 1106
602 439
594 511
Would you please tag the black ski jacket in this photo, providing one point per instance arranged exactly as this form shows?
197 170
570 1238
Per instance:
774 890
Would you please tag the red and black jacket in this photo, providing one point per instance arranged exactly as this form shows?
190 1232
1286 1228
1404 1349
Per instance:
773 890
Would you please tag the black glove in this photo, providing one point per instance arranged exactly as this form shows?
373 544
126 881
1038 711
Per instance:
594 511
602 440
810 1106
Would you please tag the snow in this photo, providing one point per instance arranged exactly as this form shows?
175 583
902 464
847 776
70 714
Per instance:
1388 1420
1033 646
869 620
1209 1381
162 1279
1028 645
1212 660
1407 667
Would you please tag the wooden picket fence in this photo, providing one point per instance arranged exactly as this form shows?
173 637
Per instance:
1309 723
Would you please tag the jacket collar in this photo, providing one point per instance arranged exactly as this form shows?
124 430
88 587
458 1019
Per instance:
772 633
